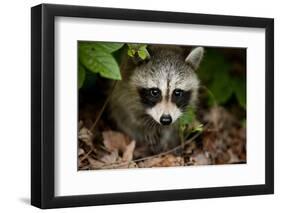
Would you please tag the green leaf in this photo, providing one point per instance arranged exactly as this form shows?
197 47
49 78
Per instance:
107 47
198 128
187 117
99 62
81 76
131 52
143 53
138 48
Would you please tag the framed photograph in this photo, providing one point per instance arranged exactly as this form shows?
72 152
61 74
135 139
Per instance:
139 106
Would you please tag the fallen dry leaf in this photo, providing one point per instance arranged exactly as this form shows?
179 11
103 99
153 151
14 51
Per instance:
95 164
150 162
86 136
162 161
81 152
113 140
110 158
118 152
200 159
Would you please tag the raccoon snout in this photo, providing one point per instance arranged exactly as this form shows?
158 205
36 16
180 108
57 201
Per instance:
165 119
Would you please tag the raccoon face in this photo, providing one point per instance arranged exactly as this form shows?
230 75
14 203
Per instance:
167 84
164 108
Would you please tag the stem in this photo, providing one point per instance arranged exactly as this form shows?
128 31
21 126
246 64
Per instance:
173 149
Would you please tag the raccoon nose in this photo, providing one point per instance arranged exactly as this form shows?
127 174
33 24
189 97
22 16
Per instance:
166 119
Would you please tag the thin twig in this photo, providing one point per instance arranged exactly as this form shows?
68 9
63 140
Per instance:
173 149
86 155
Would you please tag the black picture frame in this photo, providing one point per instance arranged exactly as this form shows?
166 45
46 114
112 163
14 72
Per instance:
43 117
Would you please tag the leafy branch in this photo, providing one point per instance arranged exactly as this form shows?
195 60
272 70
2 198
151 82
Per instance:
99 58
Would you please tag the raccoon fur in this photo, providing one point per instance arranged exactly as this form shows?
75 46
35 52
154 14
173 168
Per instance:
147 103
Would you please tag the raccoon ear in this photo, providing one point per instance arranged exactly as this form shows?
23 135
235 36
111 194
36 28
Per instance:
195 57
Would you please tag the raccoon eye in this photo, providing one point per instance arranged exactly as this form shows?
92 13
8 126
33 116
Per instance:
178 92
155 92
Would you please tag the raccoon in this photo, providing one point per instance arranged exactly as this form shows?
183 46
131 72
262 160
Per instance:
148 102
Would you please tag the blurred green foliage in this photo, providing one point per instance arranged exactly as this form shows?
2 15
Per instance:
187 117
189 124
215 73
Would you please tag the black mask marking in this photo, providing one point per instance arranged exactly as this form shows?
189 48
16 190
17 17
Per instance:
181 98
150 97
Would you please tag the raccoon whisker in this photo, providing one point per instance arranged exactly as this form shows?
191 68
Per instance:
149 123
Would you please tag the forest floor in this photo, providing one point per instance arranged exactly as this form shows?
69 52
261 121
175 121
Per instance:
221 141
